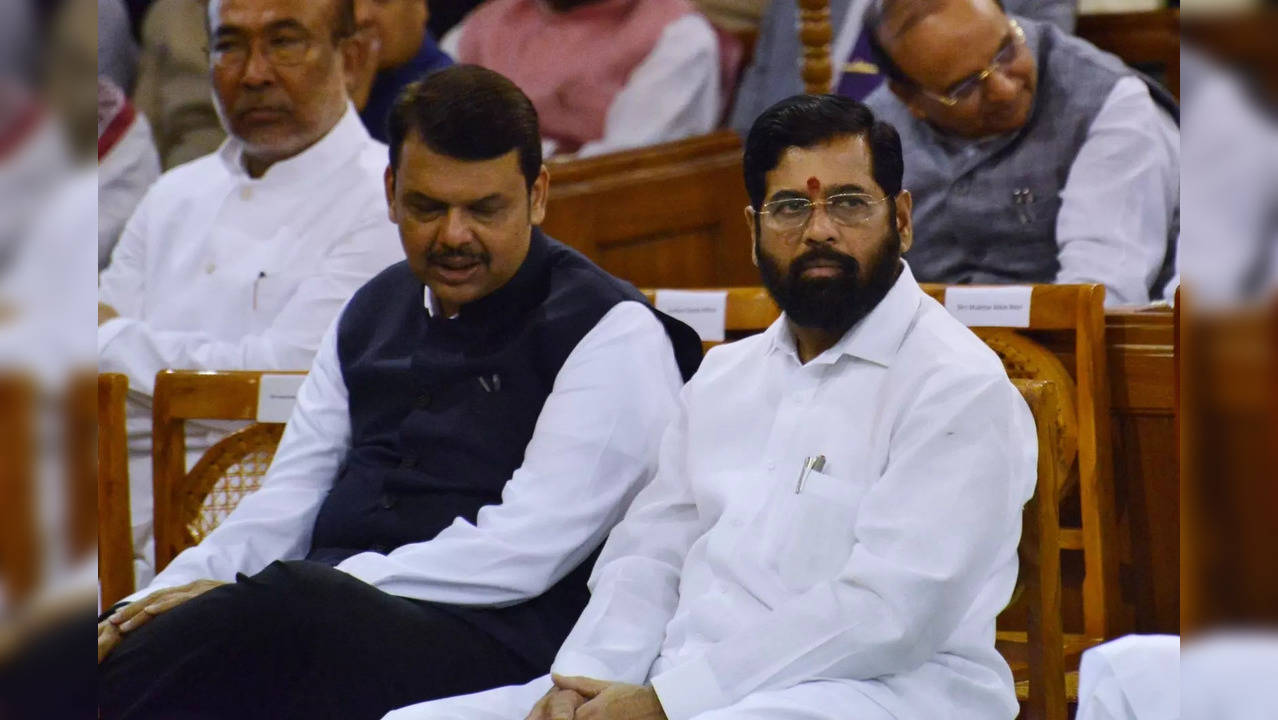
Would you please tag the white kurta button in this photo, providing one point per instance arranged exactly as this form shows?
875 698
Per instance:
246 193
210 268
772 466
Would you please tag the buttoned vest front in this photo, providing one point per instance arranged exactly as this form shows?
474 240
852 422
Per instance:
441 409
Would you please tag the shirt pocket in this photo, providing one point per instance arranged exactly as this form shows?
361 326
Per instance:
272 291
810 534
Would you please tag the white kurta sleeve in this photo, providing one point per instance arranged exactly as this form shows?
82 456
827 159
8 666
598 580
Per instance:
672 94
128 344
1119 198
942 517
275 522
592 449
635 586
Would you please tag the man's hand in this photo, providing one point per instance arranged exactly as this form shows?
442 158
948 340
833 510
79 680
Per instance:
613 701
106 312
557 704
136 614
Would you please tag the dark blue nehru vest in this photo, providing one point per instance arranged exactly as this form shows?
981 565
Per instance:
442 409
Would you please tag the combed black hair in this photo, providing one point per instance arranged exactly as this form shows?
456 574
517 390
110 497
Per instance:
804 121
470 113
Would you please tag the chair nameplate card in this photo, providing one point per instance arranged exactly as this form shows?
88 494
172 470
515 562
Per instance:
276 395
702 310
1003 306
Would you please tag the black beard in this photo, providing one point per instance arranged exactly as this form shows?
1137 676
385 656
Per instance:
831 304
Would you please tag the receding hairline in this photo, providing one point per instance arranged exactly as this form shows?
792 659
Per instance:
334 14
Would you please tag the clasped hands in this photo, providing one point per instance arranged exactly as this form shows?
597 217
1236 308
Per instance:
583 698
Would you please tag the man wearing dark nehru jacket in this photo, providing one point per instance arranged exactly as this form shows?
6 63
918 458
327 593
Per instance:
474 423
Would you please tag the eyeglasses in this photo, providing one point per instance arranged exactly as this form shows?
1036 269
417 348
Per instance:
967 88
282 50
790 214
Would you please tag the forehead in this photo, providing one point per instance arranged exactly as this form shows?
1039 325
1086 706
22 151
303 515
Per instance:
448 178
954 42
842 161
258 14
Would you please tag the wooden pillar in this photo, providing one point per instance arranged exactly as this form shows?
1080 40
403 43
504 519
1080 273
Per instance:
815 34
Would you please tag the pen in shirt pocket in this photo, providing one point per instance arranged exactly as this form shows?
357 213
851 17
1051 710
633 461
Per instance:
811 463
261 275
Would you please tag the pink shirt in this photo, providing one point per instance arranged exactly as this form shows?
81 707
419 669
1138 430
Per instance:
571 64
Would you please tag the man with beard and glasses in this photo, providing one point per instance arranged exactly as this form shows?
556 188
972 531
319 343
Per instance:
833 525
476 420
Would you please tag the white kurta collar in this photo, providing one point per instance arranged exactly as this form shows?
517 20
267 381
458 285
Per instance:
875 338
346 138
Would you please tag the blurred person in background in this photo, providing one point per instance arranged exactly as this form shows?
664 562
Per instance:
773 73
1033 157
127 164
241 259
117 49
403 52
173 89
605 75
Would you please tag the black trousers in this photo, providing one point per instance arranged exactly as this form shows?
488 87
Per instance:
301 640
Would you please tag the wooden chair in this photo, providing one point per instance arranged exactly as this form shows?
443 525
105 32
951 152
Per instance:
188 505
1076 312
1148 41
815 36
115 540
19 546
747 310
1038 664
671 214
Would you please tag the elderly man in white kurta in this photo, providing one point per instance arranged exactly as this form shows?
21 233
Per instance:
833 525
241 259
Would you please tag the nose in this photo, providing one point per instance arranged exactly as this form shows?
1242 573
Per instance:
1000 87
820 228
258 70
454 232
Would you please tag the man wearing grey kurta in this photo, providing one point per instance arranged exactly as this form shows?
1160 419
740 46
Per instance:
1033 157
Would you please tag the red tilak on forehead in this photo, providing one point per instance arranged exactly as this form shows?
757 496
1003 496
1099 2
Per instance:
814 186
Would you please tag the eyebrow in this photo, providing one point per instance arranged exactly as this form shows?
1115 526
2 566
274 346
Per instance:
417 197
278 25
831 190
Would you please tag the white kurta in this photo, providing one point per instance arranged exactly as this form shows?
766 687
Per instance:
594 446
216 270
873 592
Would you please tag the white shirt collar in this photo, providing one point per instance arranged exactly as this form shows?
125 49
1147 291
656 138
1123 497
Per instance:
876 337
346 138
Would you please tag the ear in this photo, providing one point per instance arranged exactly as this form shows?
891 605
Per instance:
751 218
389 179
538 196
905 219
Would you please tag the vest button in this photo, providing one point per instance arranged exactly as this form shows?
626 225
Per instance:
423 401
408 461
388 501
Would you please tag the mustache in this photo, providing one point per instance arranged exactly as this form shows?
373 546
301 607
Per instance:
823 255
436 256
